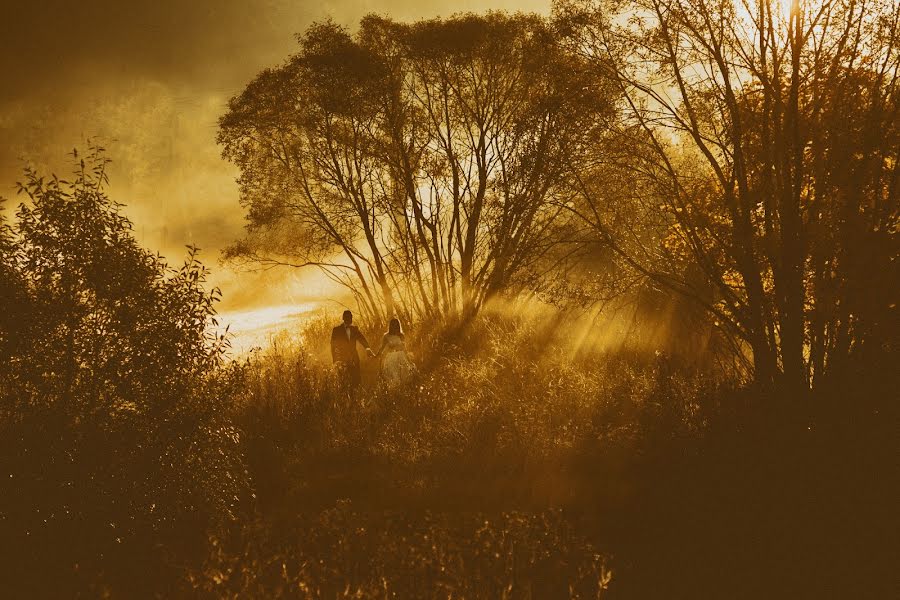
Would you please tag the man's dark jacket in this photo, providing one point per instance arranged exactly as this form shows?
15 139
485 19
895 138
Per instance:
343 347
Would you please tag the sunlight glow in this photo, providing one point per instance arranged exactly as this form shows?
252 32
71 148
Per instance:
748 10
251 328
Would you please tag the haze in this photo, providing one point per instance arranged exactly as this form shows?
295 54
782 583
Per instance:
149 81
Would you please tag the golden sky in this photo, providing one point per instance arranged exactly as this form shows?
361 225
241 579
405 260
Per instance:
150 79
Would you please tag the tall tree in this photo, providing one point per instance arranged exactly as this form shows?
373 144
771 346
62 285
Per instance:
767 136
417 164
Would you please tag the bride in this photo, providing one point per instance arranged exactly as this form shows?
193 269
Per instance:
396 368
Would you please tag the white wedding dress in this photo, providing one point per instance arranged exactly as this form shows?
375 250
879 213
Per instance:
396 368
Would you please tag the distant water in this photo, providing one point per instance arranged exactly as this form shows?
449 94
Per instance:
255 328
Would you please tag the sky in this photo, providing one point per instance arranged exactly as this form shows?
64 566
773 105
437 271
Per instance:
149 80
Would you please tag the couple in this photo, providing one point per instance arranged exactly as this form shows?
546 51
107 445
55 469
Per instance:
396 368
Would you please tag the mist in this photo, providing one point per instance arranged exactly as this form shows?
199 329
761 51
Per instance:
149 82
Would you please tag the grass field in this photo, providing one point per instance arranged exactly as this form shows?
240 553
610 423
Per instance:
516 467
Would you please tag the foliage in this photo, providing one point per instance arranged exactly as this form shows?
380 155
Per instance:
348 553
115 446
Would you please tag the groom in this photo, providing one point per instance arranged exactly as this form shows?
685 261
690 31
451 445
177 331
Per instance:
344 338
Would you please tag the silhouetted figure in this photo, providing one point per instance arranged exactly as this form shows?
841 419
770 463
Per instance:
396 367
344 338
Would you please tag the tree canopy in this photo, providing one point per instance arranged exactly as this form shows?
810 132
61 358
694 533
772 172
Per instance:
425 166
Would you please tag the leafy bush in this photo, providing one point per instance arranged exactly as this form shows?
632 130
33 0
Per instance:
116 451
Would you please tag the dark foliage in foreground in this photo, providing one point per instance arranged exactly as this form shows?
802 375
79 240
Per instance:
341 552
115 453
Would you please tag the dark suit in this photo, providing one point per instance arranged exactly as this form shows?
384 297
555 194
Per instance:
343 350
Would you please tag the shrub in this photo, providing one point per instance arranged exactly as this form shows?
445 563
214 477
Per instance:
116 451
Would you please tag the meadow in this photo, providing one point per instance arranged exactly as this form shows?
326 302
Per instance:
520 466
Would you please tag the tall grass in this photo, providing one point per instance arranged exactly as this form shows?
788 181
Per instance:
500 414
526 463
493 465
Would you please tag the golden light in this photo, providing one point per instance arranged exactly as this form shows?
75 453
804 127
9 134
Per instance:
255 328
749 12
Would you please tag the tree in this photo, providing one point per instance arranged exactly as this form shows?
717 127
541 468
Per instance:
423 166
768 141
115 444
